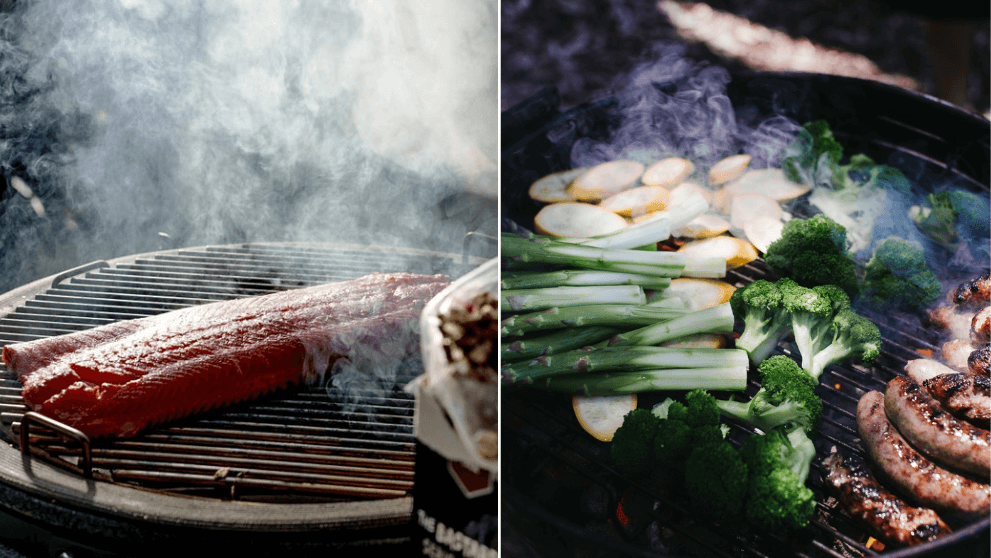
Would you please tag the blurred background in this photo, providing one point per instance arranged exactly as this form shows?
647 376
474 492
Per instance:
936 48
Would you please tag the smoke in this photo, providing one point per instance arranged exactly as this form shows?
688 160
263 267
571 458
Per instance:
674 106
146 124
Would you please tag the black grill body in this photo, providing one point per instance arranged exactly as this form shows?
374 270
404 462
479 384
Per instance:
303 471
560 491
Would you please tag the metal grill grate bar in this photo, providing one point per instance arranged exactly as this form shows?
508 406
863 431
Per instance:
313 440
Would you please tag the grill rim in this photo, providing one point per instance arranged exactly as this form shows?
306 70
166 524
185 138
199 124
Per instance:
31 479
532 121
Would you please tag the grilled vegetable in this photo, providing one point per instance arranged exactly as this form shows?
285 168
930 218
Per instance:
814 252
553 188
630 359
760 306
728 169
637 201
734 251
668 173
897 276
545 250
574 219
605 179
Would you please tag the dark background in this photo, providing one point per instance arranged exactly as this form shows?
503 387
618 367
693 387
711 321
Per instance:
581 46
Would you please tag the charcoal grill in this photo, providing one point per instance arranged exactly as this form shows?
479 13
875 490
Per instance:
303 470
560 492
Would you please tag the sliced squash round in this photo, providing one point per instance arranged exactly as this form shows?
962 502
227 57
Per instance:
576 220
605 179
553 188
703 226
686 190
699 293
762 231
735 251
602 415
744 207
636 201
771 182
728 169
668 173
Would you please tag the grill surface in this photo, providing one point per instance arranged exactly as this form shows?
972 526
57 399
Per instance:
347 451
559 488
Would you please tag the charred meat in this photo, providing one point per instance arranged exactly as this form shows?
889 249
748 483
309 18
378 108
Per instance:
949 441
967 396
911 473
888 517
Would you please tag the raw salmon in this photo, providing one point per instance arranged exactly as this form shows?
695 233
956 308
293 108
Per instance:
118 379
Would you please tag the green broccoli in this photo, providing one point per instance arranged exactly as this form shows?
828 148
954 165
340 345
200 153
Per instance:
814 252
765 322
786 399
953 215
822 322
716 481
778 465
853 336
632 447
897 276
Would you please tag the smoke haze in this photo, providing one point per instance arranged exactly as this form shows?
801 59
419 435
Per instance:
145 124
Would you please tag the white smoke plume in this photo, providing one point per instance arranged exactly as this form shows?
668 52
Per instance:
206 122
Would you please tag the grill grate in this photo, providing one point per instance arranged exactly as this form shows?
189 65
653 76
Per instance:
315 443
560 476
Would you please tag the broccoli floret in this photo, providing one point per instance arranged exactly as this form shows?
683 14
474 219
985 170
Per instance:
953 214
814 252
853 336
701 409
632 447
765 322
897 276
777 498
786 399
810 313
716 481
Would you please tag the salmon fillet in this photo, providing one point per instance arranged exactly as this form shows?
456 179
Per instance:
118 379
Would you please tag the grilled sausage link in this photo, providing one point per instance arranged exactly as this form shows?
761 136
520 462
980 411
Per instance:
886 516
921 480
979 361
936 433
956 353
976 291
980 326
955 320
965 395
922 369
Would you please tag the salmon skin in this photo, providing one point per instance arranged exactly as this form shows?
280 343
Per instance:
118 379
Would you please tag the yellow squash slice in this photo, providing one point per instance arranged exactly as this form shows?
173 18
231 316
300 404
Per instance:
699 293
577 220
668 173
553 188
734 250
602 415
606 179
637 201
728 169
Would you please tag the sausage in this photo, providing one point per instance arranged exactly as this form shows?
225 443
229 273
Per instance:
965 395
979 361
886 516
933 431
956 353
956 320
922 481
980 326
922 369
975 291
